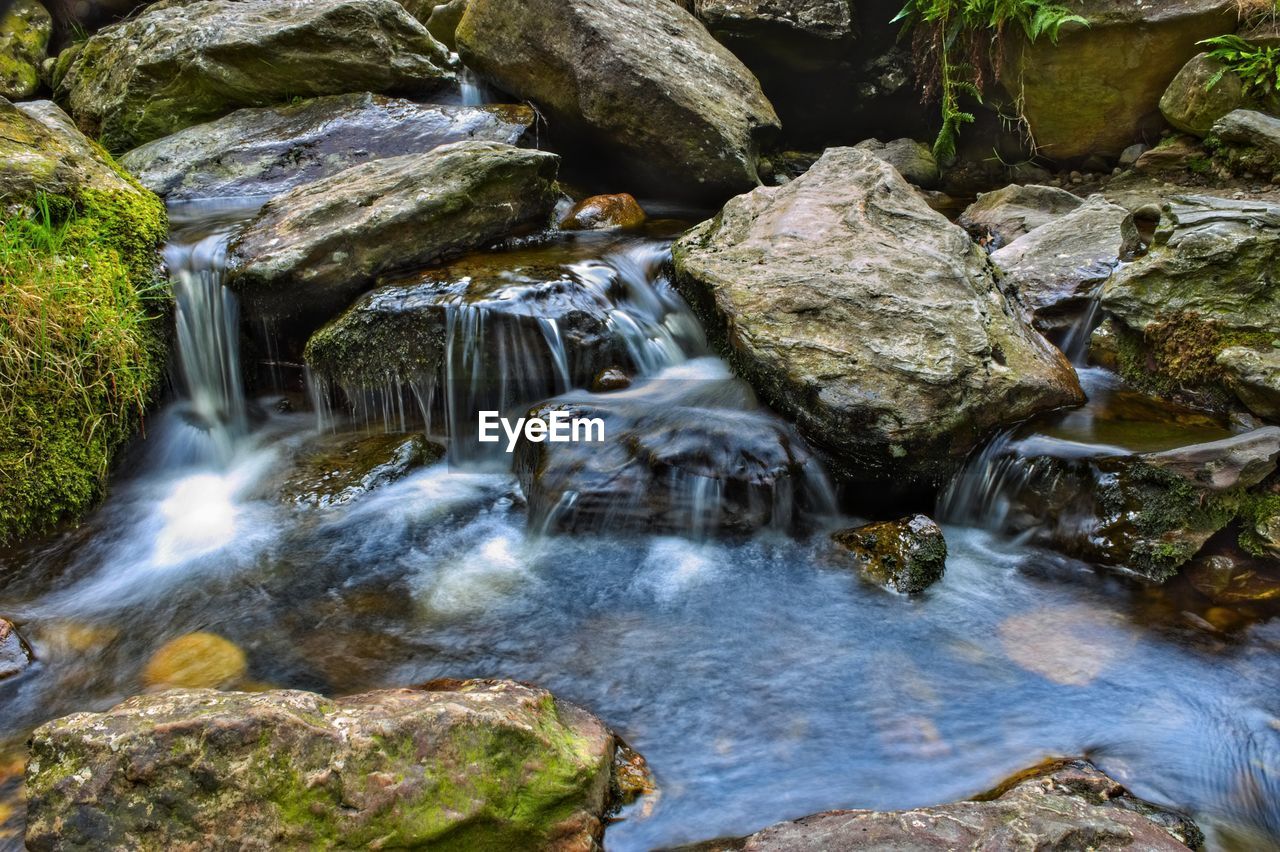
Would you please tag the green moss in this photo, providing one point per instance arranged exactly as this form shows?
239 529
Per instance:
80 349
1256 510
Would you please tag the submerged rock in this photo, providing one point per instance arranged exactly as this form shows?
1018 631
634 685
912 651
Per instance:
1096 89
1249 142
25 29
1058 805
338 469
602 212
913 160
312 250
183 62
1203 92
1235 578
1058 268
1002 216
14 654
196 661
870 319
1070 645
638 78
269 150
909 555
477 764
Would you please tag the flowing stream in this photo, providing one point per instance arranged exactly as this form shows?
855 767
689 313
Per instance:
761 679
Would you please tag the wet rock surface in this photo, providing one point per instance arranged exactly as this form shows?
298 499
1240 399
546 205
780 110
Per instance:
641 79
869 318
339 469
493 763
183 62
312 250
14 654
908 555
998 218
1061 805
602 212
269 150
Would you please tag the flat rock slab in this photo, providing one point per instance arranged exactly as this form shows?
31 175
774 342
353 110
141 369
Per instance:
183 62
475 764
269 150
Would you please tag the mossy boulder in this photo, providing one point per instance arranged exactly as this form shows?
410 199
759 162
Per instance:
638 79
472 765
1248 142
1097 89
24 37
443 20
79 314
312 250
270 150
1202 92
870 319
183 62
907 555
1210 282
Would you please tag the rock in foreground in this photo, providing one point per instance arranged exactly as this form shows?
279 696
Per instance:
270 150
868 318
182 62
1061 805
908 555
478 764
639 78
312 250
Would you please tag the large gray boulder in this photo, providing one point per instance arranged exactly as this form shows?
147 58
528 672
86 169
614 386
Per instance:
475 764
269 150
1057 269
312 250
1250 141
25 28
867 317
999 217
639 78
1061 805
183 62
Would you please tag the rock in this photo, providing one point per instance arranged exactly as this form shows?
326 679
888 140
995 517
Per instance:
443 22
1250 142
640 79
1233 579
817 19
1233 463
270 150
14 654
870 319
1254 377
1130 156
341 468
913 160
1058 805
310 251
602 212
1208 284
1097 89
675 465
41 151
477 764
610 379
1203 92
196 661
1057 269
184 62
1006 214
24 37
1178 154
908 555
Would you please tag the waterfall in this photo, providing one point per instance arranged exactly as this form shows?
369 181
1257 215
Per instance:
1076 344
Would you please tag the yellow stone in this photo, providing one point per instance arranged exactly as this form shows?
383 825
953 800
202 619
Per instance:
196 661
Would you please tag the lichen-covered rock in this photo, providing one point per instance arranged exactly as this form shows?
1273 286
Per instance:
183 62
638 78
1203 92
478 764
1056 269
270 150
14 654
1249 141
314 249
1057 805
24 36
913 160
908 555
1254 377
338 469
1210 282
603 212
870 319
196 661
1097 89
41 151
1000 217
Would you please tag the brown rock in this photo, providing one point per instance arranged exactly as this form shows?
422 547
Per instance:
602 212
